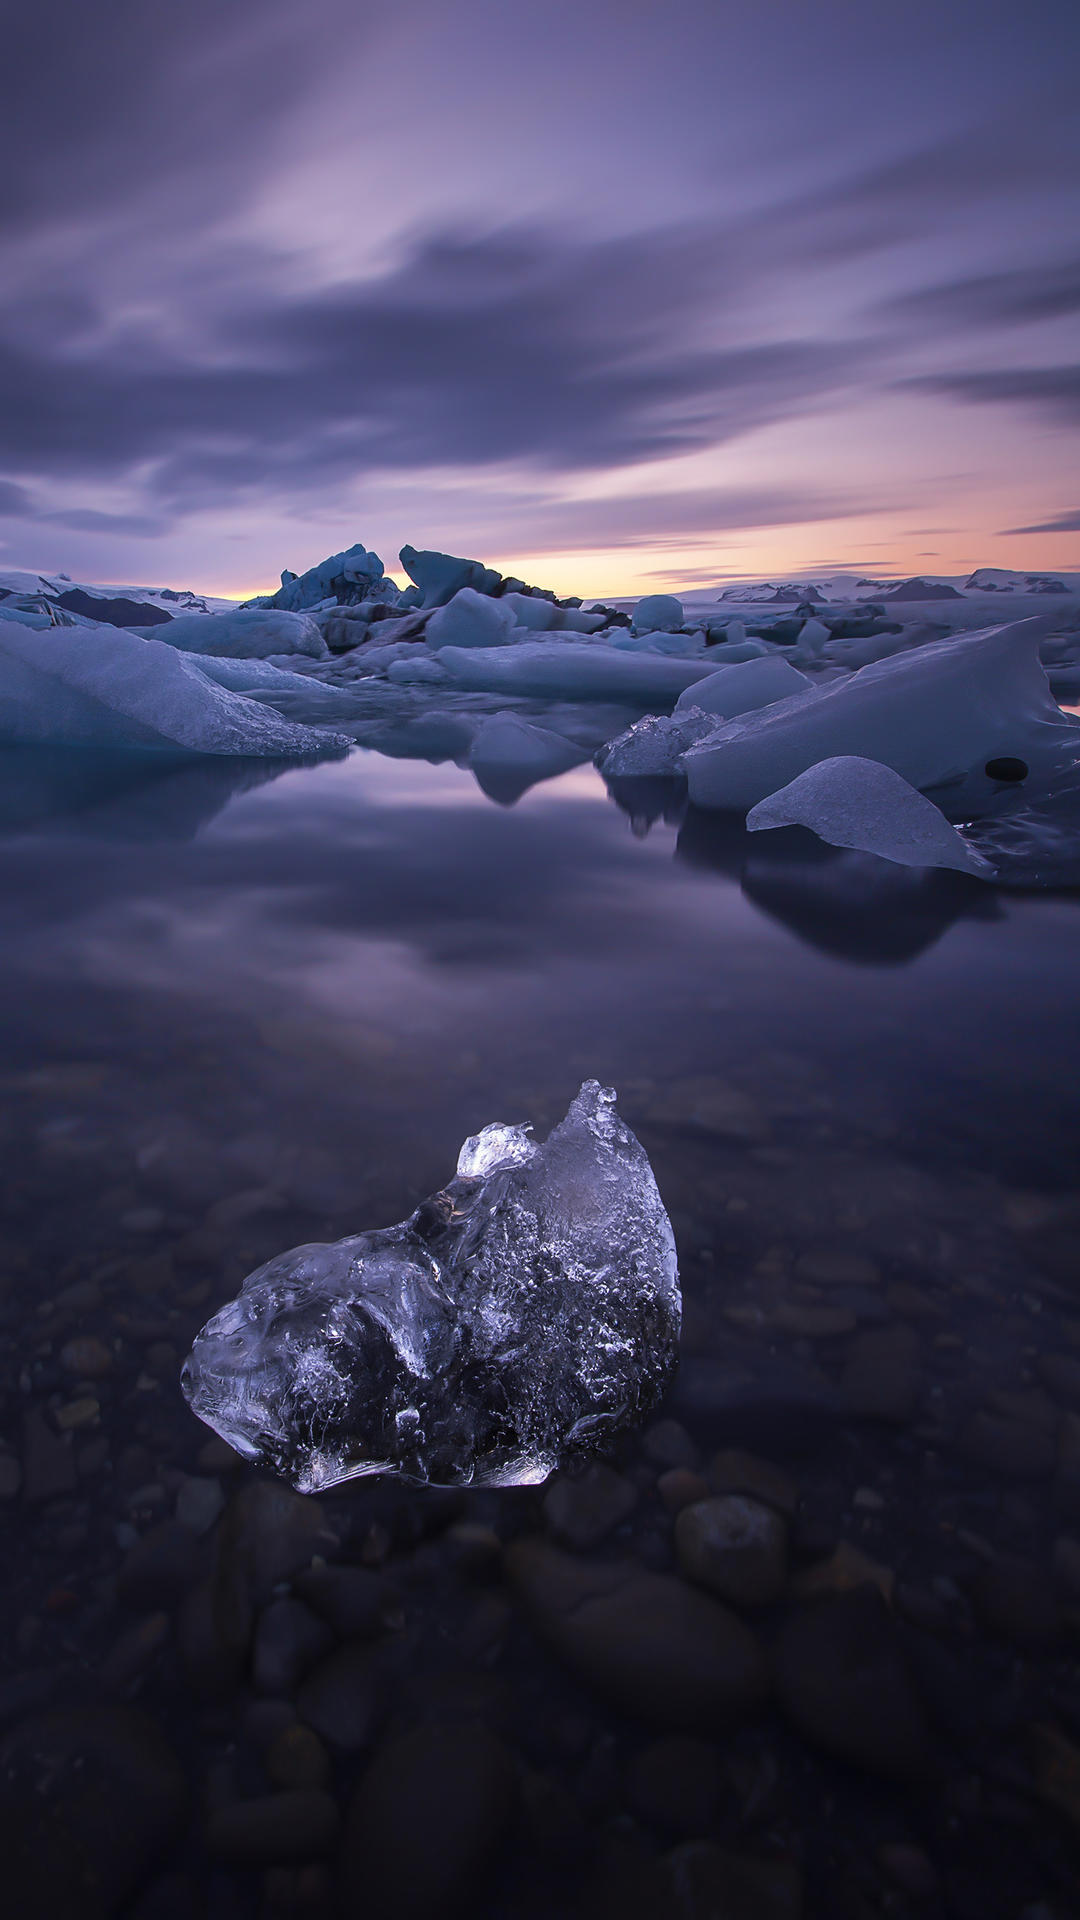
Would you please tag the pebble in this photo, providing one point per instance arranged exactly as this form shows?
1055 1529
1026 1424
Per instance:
709 1105
276 1828
581 1511
10 1476
733 1471
843 1681
1060 1374
846 1568
77 1413
650 1643
679 1488
356 1603
460 1780
342 1698
736 1547
86 1357
48 1462
289 1638
199 1501
666 1443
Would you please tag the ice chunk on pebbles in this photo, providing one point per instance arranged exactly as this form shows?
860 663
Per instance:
851 802
520 1315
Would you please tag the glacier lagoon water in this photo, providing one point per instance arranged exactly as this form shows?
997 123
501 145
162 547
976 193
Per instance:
245 1008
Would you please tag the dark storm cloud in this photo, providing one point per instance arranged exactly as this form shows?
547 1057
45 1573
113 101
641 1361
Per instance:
471 351
1053 390
1064 523
104 105
1020 297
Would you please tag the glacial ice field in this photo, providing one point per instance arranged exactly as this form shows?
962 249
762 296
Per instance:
960 692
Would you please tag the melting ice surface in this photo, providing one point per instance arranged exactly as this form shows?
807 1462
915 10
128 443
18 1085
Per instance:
518 1316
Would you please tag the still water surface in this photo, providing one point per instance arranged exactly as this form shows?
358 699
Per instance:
240 1011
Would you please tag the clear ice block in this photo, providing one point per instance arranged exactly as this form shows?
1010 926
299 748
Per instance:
521 1315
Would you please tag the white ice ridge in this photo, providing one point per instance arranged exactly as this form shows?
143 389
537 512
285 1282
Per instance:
572 671
243 634
939 713
852 802
107 686
522 1314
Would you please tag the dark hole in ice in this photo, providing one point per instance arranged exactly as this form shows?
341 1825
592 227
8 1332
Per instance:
1007 768
520 1315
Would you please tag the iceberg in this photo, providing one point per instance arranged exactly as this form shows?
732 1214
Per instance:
744 686
569 670
654 747
247 634
519 1316
113 688
472 619
851 802
658 613
936 715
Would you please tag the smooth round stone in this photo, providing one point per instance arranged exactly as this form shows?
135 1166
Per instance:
582 1511
650 1643
736 1547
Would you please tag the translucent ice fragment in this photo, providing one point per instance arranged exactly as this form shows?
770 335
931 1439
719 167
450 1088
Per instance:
518 1316
851 802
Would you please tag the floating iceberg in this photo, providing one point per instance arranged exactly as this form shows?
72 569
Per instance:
939 714
113 688
520 1315
566 670
744 686
851 802
472 619
658 613
246 634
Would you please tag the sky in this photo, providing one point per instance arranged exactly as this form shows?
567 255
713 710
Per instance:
617 297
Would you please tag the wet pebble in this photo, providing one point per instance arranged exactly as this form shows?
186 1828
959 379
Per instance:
296 1758
289 1638
199 1501
734 1546
707 1881
342 1698
733 1471
48 1461
650 1643
582 1510
355 1602
666 1443
679 1488
160 1567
